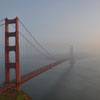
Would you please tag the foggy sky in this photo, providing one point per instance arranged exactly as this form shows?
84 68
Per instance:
58 23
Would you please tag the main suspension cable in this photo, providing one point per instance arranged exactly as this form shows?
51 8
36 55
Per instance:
36 41
32 45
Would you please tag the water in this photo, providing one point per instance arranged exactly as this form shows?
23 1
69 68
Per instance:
66 82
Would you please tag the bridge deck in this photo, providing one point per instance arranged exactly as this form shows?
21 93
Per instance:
32 74
37 72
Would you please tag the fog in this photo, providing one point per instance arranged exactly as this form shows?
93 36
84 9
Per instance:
56 25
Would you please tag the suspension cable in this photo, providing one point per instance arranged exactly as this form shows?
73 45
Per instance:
36 41
31 44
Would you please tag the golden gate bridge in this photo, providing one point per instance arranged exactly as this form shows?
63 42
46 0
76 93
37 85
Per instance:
19 78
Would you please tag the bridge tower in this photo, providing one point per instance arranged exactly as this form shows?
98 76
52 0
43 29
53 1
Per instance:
12 48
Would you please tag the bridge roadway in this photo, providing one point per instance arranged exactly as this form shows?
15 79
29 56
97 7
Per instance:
32 74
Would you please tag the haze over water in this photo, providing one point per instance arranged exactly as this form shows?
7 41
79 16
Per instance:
57 24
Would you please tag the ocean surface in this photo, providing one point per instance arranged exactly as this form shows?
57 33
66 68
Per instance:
80 81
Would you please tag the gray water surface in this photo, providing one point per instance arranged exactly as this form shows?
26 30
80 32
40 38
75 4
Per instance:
80 81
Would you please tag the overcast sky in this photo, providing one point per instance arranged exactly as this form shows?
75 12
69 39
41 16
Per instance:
56 23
